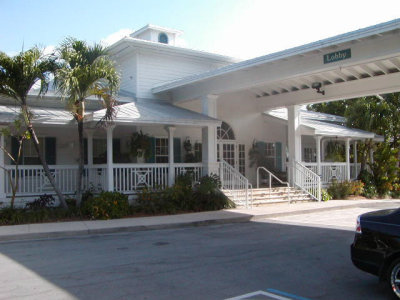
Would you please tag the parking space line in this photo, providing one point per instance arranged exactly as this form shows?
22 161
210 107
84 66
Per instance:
287 294
263 293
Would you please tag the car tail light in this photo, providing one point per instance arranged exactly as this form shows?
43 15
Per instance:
358 226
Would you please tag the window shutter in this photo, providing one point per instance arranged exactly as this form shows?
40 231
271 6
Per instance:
152 157
177 150
116 150
50 150
14 150
278 154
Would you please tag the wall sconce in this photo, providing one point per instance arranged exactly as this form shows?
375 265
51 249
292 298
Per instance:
317 86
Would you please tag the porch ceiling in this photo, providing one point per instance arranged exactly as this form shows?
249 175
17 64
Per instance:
286 77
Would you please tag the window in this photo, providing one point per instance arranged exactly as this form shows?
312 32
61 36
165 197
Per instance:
270 154
310 155
161 153
163 38
225 132
197 152
99 151
242 159
29 154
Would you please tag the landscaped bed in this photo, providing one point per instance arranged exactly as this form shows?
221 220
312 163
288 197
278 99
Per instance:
184 196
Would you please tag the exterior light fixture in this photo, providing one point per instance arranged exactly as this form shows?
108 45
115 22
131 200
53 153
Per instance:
317 86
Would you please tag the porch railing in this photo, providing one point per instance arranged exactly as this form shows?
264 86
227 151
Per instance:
307 180
195 169
128 178
334 171
238 186
32 180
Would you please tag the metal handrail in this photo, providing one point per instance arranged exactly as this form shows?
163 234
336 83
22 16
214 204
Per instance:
240 181
302 175
271 175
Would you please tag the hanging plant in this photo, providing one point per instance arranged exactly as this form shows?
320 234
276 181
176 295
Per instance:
140 145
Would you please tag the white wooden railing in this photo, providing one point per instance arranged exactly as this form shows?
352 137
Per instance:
334 171
195 169
33 181
128 178
270 176
307 180
238 186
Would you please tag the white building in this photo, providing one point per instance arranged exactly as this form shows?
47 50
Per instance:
221 105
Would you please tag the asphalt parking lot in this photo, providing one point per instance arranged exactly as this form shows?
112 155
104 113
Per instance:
296 257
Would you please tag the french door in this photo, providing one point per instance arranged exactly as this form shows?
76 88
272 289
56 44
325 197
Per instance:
233 153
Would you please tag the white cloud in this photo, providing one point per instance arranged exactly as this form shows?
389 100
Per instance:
115 37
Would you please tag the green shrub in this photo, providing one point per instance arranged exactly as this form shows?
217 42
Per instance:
107 205
343 189
356 187
325 195
183 196
44 201
10 216
207 195
370 191
340 190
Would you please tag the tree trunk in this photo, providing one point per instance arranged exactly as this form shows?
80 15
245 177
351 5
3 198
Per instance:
81 163
41 159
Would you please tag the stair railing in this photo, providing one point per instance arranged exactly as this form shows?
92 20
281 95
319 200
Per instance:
271 175
233 180
307 180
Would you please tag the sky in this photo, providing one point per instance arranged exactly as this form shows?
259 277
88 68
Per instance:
238 28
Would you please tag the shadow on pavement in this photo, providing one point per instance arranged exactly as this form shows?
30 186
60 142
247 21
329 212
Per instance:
208 262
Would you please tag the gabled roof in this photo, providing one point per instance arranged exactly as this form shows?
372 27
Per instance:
325 124
129 43
155 27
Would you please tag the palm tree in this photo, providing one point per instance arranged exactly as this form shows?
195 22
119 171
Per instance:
87 71
17 76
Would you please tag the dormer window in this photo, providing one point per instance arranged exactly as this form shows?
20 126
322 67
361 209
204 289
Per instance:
163 38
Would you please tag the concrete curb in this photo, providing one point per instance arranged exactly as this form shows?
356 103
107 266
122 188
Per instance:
133 228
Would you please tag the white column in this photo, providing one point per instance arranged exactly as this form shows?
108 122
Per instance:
348 159
318 144
294 138
171 171
355 160
110 166
209 135
2 171
89 135
209 149
209 105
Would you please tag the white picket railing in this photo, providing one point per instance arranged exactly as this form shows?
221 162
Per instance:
307 180
334 171
32 180
128 178
238 186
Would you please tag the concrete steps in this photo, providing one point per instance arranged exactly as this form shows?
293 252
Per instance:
262 196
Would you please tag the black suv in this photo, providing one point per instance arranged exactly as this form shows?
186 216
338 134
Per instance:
376 246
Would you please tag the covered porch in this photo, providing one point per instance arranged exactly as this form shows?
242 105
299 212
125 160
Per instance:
109 162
